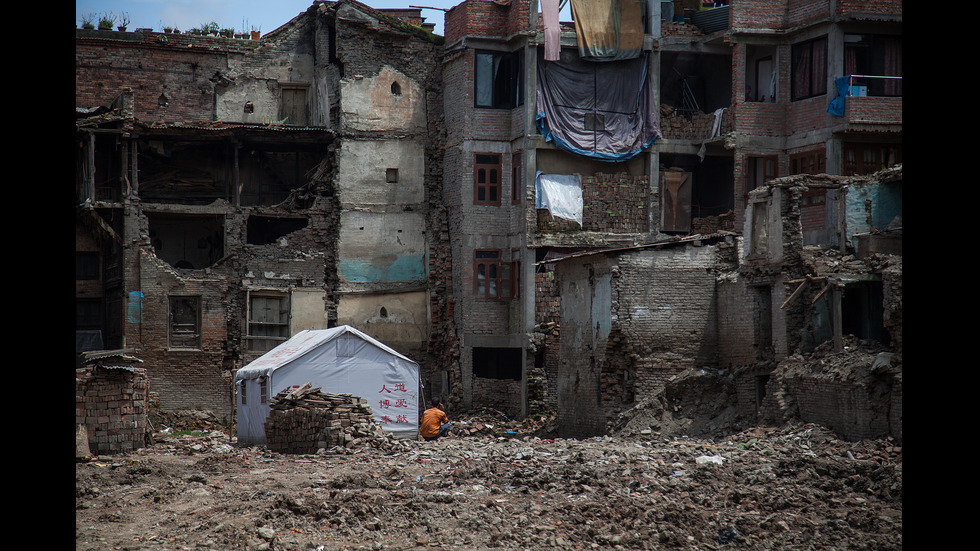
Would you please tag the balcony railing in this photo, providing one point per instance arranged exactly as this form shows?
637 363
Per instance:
863 86
874 85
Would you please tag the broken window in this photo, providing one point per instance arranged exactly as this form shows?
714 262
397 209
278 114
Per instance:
185 322
263 230
809 76
187 241
292 106
862 311
268 320
497 363
499 79
493 277
486 179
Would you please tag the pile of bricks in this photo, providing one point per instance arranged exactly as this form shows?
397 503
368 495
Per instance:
110 402
305 419
700 126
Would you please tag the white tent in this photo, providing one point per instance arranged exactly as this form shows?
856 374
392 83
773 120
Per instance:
338 360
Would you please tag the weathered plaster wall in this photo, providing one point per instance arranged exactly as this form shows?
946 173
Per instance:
399 320
382 248
387 101
363 172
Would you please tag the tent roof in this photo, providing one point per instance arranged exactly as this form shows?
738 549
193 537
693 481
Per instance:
301 343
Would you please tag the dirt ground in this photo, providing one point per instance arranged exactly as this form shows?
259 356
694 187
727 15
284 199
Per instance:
498 484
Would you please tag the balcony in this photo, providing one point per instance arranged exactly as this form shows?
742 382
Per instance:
868 100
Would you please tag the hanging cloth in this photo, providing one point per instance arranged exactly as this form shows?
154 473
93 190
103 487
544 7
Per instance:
604 111
552 29
608 30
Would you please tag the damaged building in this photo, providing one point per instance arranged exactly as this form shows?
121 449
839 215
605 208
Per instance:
546 215
231 193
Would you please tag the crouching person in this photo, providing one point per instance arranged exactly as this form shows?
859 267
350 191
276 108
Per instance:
434 422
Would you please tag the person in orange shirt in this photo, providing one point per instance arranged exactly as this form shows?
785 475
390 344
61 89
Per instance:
434 422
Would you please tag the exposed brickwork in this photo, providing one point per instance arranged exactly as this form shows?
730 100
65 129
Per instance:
614 203
112 405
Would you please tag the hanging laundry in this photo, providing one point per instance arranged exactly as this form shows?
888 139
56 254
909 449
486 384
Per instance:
608 30
552 29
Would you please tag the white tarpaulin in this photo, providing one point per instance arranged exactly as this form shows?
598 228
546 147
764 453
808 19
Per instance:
340 360
561 194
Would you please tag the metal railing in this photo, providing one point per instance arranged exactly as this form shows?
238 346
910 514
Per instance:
874 85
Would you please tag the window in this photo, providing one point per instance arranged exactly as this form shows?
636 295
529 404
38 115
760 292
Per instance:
874 55
244 387
516 178
263 390
86 265
759 170
809 69
813 162
268 321
498 79
391 175
860 159
497 363
486 179
185 322
493 277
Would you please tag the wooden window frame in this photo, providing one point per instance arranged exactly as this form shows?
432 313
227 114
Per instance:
184 333
810 162
252 335
487 179
493 277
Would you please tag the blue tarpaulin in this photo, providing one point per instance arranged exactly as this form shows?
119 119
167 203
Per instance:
843 90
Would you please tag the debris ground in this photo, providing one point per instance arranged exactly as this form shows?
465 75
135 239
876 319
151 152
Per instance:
498 487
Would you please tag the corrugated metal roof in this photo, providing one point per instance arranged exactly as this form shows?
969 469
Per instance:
677 241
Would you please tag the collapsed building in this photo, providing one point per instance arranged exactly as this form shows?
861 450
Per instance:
543 214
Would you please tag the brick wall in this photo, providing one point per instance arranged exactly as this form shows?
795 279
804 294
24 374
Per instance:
179 68
501 394
807 115
875 109
489 19
614 203
112 405
886 7
667 309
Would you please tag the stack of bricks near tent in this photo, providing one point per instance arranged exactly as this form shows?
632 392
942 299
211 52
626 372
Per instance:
305 419
111 404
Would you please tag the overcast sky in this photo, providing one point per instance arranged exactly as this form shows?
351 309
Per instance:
266 15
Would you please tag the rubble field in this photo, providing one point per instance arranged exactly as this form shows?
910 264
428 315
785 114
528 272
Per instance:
497 484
